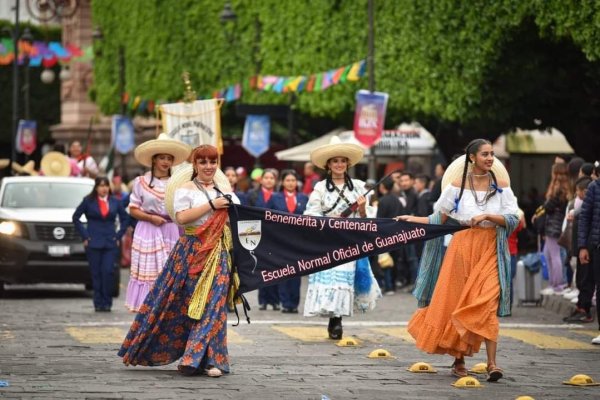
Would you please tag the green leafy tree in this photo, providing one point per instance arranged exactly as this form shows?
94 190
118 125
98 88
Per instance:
463 68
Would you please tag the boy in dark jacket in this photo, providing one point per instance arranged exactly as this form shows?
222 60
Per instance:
588 241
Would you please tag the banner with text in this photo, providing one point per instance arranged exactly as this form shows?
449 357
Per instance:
369 116
194 123
270 247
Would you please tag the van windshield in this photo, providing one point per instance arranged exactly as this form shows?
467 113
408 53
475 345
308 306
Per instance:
44 194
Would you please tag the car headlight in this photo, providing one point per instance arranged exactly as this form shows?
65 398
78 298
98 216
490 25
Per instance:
10 228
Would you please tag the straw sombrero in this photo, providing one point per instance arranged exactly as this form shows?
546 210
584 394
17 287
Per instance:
28 168
4 162
455 170
336 148
55 163
162 145
182 175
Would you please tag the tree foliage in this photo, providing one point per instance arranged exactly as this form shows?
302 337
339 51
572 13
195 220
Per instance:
438 59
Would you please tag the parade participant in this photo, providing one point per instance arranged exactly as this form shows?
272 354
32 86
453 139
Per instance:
100 239
331 293
184 317
85 163
457 308
310 178
259 197
232 176
291 201
155 233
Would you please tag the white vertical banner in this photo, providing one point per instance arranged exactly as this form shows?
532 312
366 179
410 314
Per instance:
194 123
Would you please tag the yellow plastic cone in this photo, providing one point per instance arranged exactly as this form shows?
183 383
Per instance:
480 368
380 353
422 367
467 382
581 380
347 342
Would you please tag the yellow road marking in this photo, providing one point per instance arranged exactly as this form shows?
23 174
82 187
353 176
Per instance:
544 341
97 335
235 338
397 332
304 333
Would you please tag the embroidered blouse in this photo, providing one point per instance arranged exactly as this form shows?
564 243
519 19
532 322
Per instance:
149 199
189 198
501 203
322 200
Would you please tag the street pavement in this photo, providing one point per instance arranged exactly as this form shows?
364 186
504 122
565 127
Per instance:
54 346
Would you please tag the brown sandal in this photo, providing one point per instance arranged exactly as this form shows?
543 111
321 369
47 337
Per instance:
458 368
494 373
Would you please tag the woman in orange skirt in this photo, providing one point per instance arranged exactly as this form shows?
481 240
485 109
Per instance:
462 292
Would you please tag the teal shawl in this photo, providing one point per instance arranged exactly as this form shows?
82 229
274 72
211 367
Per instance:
431 260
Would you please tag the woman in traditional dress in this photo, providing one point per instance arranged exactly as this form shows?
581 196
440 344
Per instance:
460 301
155 233
331 293
291 201
184 317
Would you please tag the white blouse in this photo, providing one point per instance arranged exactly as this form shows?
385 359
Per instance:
503 202
321 200
191 198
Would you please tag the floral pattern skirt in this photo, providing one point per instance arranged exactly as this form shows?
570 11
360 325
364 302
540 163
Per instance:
162 332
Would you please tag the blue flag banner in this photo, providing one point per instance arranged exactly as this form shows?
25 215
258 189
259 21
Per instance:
257 132
122 134
270 247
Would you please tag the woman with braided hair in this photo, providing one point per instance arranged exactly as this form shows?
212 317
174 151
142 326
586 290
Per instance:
461 295
336 292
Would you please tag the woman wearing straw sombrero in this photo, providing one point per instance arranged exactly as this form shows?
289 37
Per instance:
155 233
184 317
461 296
336 292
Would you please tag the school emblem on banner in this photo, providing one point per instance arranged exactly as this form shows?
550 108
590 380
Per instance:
26 137
249 235
257 132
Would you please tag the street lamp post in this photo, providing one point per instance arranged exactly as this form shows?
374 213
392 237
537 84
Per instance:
15 105
372 169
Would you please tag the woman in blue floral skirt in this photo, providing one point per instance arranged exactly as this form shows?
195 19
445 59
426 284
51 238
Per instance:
184 317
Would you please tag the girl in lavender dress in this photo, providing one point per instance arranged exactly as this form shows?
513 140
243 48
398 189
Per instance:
155 233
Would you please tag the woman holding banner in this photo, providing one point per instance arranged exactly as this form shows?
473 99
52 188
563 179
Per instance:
459 301
334 293
155 233
184 317
291 201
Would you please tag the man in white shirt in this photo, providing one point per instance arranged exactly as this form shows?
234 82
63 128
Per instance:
87 165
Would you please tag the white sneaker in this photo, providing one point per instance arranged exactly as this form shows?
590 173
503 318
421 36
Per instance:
596 340
575 300
573 294
547 292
